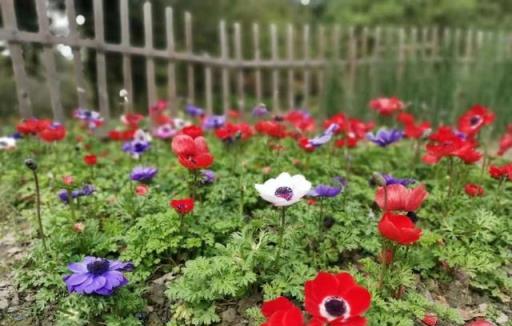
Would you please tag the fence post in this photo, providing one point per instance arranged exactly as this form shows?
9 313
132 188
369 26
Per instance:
275 72
289 55
101 69
48 57
189 49
257 58
77 56
171 67
224 53
18 64
127 61
240 72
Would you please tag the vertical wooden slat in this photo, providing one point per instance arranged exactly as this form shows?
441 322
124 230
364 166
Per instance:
77 56
289 55
208 88
18 64
127 61
101 69
189 49
257 57
150 62
49 63
225 72
307 76
240 73
321 55
171 67
275 72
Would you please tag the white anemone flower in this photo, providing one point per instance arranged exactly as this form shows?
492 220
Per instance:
284 190
7 143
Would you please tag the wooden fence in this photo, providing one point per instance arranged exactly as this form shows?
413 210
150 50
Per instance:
303 67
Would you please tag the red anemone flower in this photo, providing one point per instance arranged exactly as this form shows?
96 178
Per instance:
336 299
281 312
192 131
90 159
54 132
192 153
474 190
399 228
474 119
387 106
182 206
400 198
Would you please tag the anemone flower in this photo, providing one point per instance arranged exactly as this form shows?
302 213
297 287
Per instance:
385 137
143 173
336 299
97 276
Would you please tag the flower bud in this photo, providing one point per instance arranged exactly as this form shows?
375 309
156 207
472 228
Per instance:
31 164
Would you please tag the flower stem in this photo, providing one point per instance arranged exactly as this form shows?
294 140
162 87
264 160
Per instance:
281 233
38 210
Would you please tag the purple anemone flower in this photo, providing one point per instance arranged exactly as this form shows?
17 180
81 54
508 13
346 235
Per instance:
193 110
390 180
97 276
385 137
207 177
143 173
214 122
325 191
260 110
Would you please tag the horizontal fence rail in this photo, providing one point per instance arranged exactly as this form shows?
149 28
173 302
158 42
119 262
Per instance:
298 65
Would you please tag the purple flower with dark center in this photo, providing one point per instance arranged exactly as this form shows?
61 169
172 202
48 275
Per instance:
136 147
193 110
260 110
143 173
385 137
207 177
97 276
214 122
325 191
390 180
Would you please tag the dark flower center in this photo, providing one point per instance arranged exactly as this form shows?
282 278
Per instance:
336 307
413 217
98 267
474 120
284 192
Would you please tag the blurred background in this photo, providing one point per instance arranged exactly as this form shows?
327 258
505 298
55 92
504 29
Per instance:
438 89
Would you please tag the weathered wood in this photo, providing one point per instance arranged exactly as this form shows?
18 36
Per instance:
257 57
225 72
289 55
150 62
321 55
101 65
275 72
171 67
77 56
48 59
240 74
18 64
189 50
306 72
208 89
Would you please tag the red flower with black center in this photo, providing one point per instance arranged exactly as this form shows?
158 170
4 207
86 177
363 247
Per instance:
397 197
474 119
474 190
182 206
336 299
399 228
54 132
281 312
90 159
192 131
192 153
387 106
